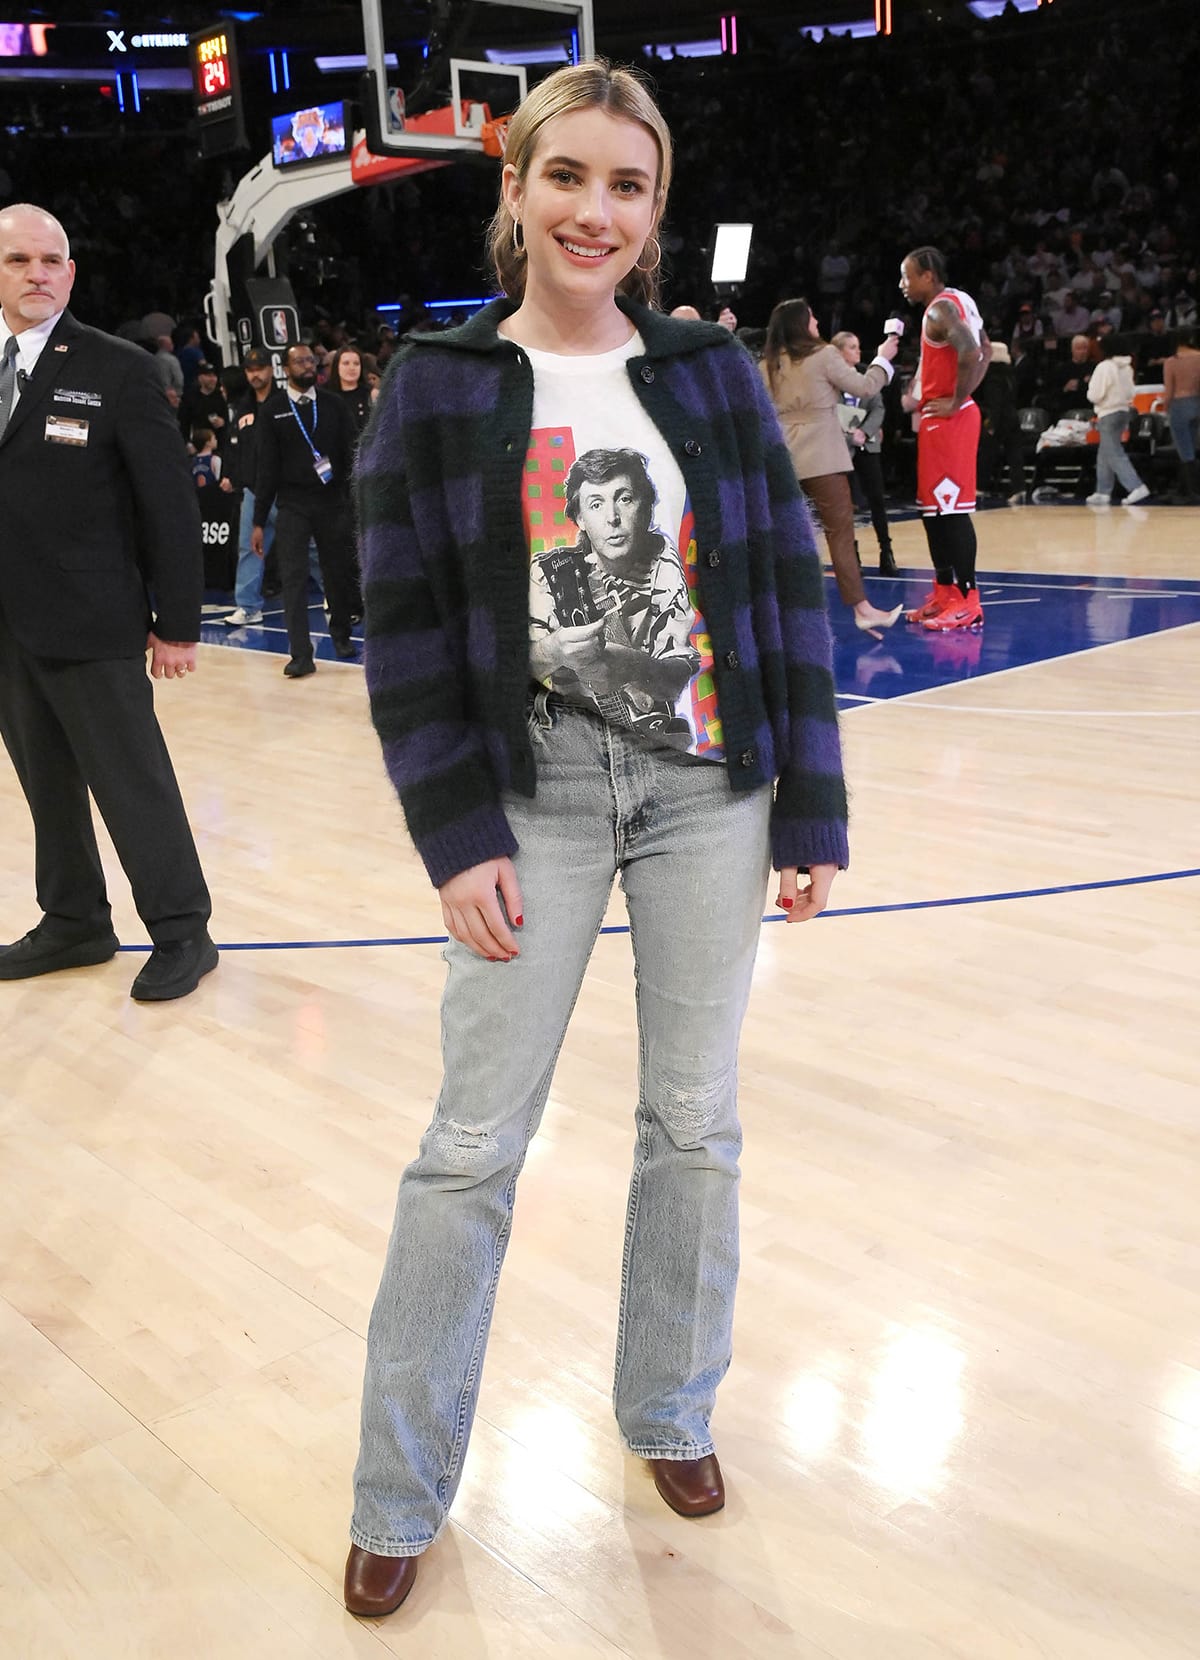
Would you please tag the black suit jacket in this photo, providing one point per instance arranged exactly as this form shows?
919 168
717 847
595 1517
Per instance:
285 457
99 524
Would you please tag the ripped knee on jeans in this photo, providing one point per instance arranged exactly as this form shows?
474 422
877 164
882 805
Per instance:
690 1107
464 1152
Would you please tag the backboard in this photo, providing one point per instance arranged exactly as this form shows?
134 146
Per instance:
441 77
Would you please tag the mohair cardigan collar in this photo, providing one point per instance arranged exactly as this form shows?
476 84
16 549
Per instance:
446 583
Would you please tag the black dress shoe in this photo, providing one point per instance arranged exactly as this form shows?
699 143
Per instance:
174 969
344 646
42 952
887 562
691 1486
297 667
377 1585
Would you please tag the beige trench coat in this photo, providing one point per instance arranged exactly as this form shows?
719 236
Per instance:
808 391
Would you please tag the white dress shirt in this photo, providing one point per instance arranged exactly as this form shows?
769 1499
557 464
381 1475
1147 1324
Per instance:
30 345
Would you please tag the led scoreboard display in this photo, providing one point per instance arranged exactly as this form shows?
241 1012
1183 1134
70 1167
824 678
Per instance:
214 74
217 90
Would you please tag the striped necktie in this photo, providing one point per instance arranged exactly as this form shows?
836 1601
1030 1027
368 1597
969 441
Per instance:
8 381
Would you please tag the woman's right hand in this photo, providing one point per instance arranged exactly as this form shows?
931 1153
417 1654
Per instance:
473 912
888 348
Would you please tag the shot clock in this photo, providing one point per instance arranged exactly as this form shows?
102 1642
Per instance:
216 90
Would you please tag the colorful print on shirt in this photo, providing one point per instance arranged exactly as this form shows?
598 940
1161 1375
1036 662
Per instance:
614 619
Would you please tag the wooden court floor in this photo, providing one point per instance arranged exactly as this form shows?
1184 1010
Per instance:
963 1421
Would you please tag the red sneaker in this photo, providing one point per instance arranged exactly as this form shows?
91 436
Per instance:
938 597
961 613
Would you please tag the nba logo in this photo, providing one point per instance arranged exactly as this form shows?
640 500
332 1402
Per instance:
279 327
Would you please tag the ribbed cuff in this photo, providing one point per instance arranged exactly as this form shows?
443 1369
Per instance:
803 843
485 834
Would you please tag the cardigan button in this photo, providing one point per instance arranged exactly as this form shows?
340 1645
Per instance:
731 660
746 758
692 447
647 374
714 558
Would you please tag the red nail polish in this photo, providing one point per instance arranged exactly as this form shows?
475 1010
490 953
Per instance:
786 904
518 921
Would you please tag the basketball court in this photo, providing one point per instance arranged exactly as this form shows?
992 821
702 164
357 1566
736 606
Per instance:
964 1414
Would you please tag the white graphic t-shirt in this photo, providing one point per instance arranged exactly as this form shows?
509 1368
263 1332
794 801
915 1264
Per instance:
613 618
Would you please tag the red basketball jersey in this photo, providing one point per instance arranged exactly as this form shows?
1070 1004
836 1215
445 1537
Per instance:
939 361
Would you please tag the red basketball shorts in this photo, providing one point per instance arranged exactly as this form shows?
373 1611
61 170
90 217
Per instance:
946 451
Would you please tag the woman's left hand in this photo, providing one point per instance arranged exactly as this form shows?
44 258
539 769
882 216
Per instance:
801 904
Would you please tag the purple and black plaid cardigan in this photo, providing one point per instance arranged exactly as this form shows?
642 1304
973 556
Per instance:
446 581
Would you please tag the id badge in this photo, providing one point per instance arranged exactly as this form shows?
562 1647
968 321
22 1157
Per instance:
323 468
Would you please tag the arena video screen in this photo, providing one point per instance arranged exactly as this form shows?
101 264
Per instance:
311 134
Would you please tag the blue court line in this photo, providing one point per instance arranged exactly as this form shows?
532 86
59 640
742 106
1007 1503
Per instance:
850 910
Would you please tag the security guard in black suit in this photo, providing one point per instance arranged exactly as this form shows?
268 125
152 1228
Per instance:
305 445
100 558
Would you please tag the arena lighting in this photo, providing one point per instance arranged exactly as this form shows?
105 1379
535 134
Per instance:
856 31
686 49
527 54
729 42
351 60
883 17
992 8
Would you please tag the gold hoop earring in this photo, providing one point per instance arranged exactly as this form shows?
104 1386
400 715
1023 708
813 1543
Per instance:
657 255
518 237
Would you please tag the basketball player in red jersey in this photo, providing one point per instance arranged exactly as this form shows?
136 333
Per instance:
955 352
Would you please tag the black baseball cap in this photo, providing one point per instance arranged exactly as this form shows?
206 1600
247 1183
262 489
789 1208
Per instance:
205 368
258 358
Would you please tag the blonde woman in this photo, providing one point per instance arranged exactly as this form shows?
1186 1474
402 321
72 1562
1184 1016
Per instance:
807 378
596 649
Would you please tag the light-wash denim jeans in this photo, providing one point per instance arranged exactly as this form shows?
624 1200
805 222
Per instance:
693 860
1111 458
1184 416
248 580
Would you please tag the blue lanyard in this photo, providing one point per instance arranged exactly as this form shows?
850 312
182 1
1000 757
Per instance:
296 417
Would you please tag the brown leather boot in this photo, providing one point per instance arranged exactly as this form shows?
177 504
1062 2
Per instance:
377 1585
691 1486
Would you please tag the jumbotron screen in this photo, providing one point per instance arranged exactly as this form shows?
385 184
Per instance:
310 134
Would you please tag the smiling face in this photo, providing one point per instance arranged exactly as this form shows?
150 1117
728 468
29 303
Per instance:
586 206
36 270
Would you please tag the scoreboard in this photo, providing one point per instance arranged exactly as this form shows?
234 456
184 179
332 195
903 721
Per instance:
216 89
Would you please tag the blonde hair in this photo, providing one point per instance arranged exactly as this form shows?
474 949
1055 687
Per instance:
581 86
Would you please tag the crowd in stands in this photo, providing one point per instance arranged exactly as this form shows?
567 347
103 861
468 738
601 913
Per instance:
1047 154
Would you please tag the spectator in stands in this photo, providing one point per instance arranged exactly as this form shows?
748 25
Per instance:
1000 432
206 463
1181 313
832 282
1181 377
205 404
1072 317
1154 348
1111 391
168 367
1028 330
1067 383
346 378
188 350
